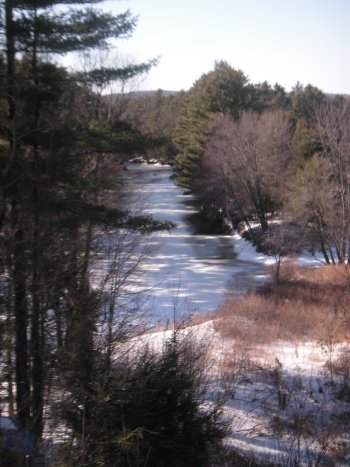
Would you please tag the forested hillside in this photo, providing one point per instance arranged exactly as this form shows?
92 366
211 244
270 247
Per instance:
70 366
252 153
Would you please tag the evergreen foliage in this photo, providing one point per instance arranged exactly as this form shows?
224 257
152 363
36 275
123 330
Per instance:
56 152
151 410
223 91
304 101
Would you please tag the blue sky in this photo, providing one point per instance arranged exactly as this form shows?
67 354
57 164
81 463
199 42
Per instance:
282 41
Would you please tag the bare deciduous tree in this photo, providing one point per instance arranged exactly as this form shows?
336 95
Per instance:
333 123
321 191
245 164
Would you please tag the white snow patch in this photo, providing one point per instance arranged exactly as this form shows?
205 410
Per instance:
279 397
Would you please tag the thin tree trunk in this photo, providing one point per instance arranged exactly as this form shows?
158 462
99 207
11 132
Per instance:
331 254
324 251
37 338
8 348
11 99
10 59
21 327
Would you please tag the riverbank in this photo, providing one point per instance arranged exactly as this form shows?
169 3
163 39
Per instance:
188 271
280 358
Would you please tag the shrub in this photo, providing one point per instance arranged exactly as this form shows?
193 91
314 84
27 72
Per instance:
153 411
306 305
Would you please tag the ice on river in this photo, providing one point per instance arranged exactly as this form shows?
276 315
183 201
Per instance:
187 272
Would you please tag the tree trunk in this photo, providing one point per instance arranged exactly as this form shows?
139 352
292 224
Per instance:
21 327
37 338
10 57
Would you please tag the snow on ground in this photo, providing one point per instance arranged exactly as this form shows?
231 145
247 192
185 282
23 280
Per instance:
246 251
6 423
279 397
285 409
309 260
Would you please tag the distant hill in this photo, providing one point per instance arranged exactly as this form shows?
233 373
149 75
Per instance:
151 93
136 94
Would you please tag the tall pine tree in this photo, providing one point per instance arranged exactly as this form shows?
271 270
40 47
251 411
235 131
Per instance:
223 90
44 176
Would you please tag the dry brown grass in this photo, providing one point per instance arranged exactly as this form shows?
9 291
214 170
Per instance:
306 305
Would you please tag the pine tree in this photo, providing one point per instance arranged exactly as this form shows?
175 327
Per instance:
44 180
150 409
221 91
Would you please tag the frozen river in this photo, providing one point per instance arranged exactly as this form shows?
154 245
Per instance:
185 271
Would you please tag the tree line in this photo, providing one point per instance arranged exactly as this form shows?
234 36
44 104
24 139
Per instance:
254 152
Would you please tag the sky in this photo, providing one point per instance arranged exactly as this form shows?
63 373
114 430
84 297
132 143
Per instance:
281 41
